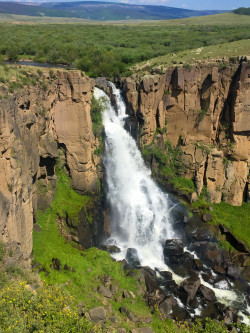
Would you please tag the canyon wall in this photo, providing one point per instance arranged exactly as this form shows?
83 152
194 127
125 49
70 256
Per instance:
39 126
205 111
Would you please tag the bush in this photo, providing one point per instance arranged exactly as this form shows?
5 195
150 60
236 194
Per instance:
242 11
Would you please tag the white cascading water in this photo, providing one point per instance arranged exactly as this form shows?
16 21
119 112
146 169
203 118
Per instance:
140 212
139 209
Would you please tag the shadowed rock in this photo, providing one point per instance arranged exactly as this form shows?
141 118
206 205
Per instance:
189 288
173 247
56 264
132 257
207 293
166 306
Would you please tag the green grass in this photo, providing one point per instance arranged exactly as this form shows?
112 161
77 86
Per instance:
66 199
236 219
231 49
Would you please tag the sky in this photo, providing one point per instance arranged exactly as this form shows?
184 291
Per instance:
188 4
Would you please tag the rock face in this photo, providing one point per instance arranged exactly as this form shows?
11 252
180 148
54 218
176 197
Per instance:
205 111
35 124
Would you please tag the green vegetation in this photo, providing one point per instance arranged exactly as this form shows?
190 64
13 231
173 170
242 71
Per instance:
97 108
15 78
66 200
242 11
236 219
218 51
91 266
169 165
47 309
203 202
125 45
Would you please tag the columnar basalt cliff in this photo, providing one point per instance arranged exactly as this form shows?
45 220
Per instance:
38 126
205 111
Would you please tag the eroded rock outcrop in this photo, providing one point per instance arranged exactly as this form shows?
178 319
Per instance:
205 110
37 124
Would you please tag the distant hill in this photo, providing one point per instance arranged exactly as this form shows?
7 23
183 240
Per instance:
242 11
101 11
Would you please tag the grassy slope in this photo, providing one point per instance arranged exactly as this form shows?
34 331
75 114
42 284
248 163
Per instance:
219 51
90 265
236 219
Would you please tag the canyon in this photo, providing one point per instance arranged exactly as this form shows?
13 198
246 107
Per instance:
204 110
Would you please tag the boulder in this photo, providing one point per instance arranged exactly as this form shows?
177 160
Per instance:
207 217
201 234
180 314
155 297
170 287
111 248
219 270
182 265
173 247
193 197
233 272
166 306
166 275
128 314
56 264
189 288
198 264
97 314
207 293
104 292
213 256
132 257
150 279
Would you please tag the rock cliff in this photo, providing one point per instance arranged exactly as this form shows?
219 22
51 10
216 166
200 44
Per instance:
39 126
205 111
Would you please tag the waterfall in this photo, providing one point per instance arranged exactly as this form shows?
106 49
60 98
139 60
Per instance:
139 209
140 212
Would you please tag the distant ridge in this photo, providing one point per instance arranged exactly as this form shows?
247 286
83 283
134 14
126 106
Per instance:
101 11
